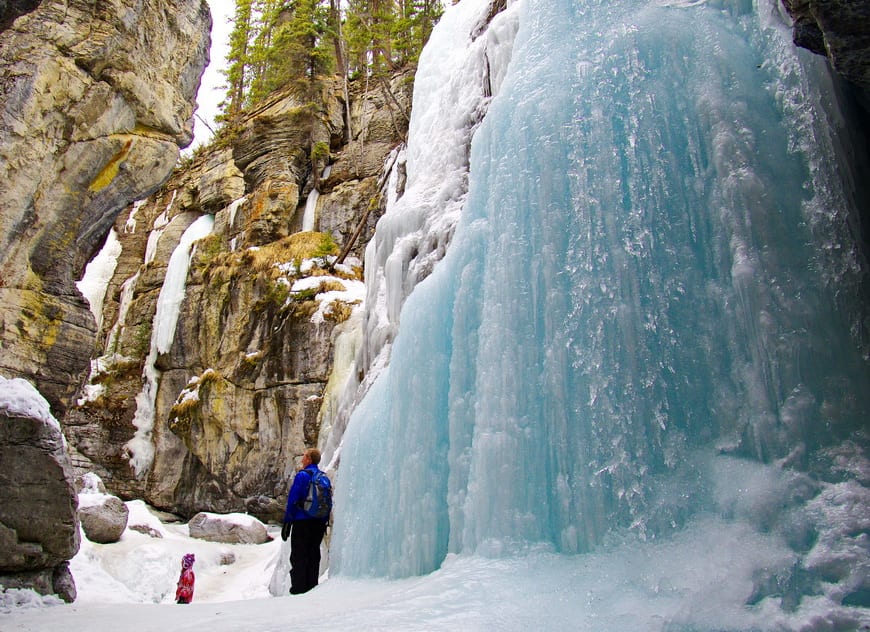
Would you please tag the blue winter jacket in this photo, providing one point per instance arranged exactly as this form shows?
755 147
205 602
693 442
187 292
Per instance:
298 493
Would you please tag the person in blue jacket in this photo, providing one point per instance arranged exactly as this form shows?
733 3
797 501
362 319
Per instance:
305 532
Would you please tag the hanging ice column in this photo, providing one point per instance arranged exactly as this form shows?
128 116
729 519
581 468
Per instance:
646 315
309 217
140 449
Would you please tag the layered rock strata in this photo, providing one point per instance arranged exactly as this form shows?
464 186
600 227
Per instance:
95 102
240 389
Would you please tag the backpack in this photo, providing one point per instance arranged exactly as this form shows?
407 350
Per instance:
318 502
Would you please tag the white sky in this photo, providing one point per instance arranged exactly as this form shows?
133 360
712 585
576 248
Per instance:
211 91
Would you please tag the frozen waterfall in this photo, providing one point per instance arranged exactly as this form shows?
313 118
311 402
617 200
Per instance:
648 330
140 449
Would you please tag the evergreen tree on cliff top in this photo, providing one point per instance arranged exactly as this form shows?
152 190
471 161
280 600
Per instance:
276 44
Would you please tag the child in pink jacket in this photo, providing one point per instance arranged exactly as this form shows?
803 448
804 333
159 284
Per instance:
184 592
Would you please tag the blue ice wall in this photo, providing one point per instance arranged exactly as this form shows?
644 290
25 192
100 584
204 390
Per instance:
652 284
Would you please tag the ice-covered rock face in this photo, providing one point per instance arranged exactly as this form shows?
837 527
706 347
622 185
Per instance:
96 101
232 394
650 325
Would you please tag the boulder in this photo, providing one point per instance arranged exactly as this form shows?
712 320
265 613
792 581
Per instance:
235 528
103 517
39 529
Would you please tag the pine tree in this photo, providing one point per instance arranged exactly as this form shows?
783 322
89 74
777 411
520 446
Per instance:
237 58
340 47
368 27
419 18
304 45
269 14
280 43
383 35
291 46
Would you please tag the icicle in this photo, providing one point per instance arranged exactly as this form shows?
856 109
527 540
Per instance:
310 215
160 222
233 209
130 225
127 289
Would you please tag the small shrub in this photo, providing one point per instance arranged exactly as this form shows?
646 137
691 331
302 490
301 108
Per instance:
307 294
319 151
207 250
275 295
326 247
339 311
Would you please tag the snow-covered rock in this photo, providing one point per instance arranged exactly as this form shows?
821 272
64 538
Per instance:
38 526
235 528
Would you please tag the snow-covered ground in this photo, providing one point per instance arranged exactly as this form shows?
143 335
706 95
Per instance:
676 584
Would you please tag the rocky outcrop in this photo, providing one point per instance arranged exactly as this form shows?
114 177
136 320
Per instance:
103 517
240 389
39 530
12 9
839 29
95 101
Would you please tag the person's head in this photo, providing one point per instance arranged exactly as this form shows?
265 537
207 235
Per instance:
311 455
187 560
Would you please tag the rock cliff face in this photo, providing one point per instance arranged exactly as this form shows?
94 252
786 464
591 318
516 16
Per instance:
236 396
838 29
96 100
11 9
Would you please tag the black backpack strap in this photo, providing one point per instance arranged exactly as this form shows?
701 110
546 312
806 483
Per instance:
300 504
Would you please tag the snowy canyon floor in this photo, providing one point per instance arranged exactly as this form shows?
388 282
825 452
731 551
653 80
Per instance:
699 580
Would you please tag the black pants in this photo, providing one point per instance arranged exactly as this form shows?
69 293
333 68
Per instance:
305 541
